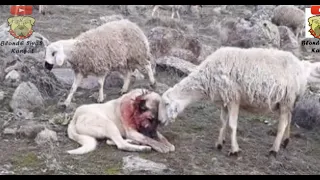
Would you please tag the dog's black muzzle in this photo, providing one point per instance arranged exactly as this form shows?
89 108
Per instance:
48 66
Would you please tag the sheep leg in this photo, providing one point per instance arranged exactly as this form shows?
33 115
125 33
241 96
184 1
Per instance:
126 83
233 110
76 82
148 68
283 123
101 80
178 15
222 132
154 10
172 15
286 136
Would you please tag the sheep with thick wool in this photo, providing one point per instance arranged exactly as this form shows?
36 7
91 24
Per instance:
258 80
114 46
290 16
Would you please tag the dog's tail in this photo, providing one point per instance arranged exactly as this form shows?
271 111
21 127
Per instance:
88 143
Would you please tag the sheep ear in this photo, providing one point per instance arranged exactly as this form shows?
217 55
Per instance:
60 56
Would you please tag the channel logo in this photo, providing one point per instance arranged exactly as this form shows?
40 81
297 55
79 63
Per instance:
18 10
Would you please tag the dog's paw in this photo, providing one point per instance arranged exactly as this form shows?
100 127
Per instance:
146 148
172 148
162 148
122 92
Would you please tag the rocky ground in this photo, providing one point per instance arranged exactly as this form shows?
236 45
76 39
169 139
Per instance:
33 129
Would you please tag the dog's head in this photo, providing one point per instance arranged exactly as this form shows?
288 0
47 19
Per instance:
147 113
139 110
21 25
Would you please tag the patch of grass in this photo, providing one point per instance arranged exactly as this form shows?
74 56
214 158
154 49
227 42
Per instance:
114 170
26 160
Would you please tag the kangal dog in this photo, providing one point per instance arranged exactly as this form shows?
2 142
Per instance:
133 116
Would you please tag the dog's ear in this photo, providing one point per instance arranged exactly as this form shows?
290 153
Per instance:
10 21
142 106
30 19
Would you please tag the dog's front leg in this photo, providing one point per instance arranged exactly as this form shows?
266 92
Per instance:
156 145
165 141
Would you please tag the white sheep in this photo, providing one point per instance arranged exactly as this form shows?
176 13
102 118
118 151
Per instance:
175 9
42 9
290 16
256 79
115 46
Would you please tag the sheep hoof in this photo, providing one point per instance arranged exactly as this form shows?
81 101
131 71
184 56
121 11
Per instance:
153 86
235 154
285 143
273 153
122 92
219 146
100 100
223 142
62 105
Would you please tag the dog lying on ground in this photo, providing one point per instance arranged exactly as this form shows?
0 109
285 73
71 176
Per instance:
133 116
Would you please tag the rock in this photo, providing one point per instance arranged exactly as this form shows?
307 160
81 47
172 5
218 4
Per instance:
93 23
114 79
66 76
163 39
306 112
161 88
242 33
23 114
265 34
106 19
288 41
46 136
26 96
183 54
206 51
13 76
263 12
4 171
136 164
179 64
10 131
28 129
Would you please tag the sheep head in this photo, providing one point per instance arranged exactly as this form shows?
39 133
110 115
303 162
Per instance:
54 55
141 112
168 109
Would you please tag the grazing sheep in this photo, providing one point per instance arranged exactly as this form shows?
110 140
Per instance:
258 80
175 9
42 9
290 16
114 46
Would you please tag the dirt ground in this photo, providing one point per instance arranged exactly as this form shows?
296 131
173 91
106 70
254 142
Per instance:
193 134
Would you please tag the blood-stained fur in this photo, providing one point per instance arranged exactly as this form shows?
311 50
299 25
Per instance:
137 115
